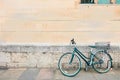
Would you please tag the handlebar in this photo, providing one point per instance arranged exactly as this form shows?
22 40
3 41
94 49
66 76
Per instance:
73 41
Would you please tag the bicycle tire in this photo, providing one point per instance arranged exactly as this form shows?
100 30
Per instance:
68 69
102 62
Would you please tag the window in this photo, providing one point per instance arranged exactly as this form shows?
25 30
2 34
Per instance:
87 1
117 1
103 1
100 1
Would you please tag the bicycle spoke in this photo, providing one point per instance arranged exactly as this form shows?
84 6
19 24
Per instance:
102 62
67 68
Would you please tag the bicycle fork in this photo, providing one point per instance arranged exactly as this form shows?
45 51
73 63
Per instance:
72 56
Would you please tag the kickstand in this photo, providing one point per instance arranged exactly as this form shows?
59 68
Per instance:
87 67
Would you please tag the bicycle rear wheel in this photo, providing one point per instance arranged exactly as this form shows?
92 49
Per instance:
67 68
102 62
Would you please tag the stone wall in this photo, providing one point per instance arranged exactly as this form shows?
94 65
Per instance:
17 56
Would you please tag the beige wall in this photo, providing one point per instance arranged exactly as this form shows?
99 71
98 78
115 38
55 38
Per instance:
57 21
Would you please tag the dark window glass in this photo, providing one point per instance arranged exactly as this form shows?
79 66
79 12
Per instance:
87 1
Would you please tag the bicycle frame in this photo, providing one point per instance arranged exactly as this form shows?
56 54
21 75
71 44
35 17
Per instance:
96 59
86 59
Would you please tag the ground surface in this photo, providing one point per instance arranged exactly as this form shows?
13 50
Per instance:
54 74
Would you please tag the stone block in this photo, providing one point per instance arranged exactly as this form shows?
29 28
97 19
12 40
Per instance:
44 59
19 57
4 57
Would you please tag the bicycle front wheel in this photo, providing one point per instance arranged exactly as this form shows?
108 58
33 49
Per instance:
69 64
102 62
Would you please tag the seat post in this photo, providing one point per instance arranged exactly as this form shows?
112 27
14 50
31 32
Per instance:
91 49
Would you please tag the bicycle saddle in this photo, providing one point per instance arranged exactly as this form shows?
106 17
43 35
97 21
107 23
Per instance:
91 46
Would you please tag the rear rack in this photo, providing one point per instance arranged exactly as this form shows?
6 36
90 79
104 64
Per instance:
102 45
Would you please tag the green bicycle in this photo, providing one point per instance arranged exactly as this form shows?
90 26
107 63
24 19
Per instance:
70 64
